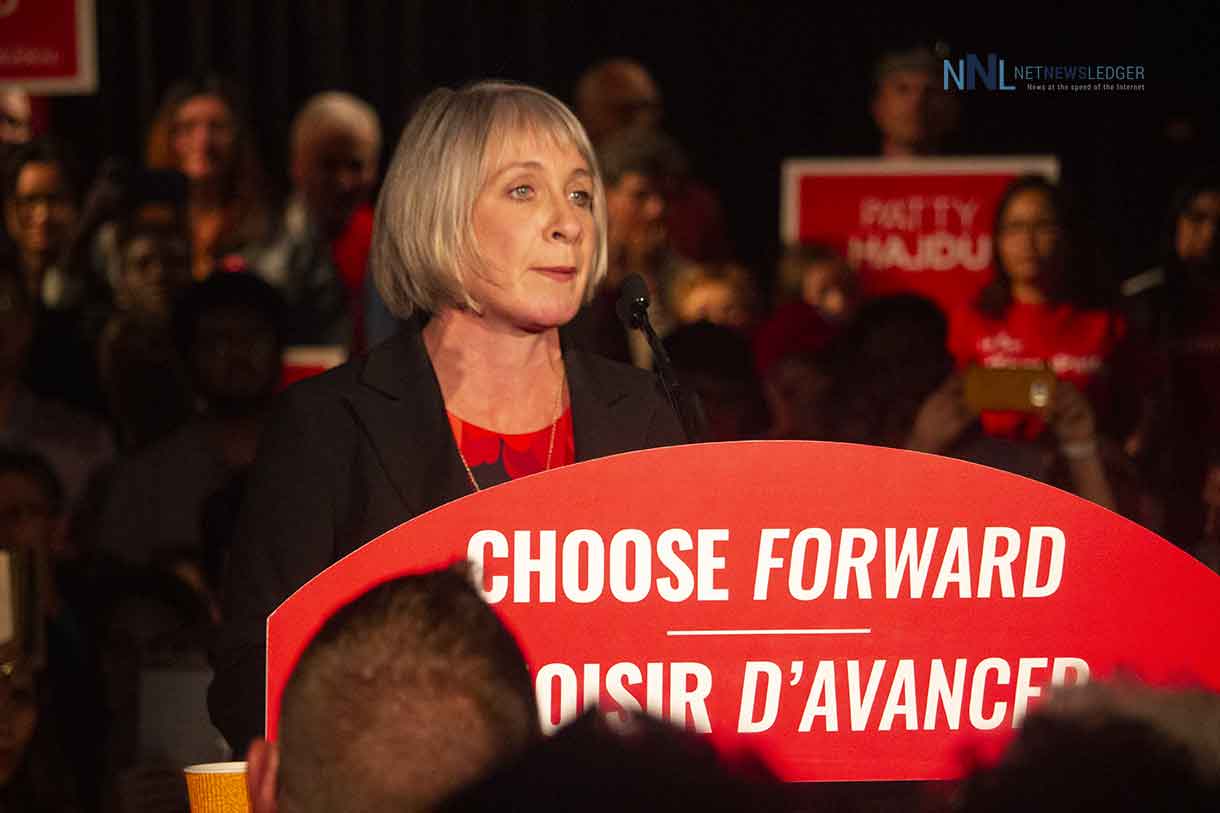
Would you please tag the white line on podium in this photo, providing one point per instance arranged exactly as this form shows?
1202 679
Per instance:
821 631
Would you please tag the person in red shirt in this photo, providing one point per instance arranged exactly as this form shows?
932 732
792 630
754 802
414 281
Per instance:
318 257
1040 309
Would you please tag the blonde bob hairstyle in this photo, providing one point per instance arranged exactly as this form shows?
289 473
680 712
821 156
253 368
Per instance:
423 238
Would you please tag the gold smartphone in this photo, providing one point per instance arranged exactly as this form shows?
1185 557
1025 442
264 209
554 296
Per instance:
1009 389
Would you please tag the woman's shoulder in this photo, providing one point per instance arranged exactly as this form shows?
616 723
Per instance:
609 375
396 367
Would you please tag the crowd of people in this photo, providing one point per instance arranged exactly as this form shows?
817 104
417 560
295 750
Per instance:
170 497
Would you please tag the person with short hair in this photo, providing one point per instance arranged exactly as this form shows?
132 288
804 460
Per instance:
41 201
147 389
76 444
1117 746
407 693
616 95
634 165
619 95
318 257
490 233
227 332
910 107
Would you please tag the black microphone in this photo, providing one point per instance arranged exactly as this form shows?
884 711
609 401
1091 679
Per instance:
632 309
633 302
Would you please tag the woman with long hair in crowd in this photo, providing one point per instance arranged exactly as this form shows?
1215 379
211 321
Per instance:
1043 308
1043 305
490 234
200 132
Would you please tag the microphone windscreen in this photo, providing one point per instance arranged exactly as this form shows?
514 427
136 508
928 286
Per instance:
632 299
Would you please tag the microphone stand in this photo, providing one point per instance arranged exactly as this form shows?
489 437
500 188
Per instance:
633 310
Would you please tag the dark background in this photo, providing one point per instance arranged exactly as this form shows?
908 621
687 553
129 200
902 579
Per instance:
745 85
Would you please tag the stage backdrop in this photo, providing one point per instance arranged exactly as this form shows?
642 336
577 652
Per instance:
854 613
920 225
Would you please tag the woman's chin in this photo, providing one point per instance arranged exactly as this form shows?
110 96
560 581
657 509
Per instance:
552 315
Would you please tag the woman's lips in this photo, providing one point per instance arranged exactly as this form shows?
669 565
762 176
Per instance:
562 273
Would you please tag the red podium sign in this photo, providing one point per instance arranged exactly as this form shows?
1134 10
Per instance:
853 613
921 225
48 46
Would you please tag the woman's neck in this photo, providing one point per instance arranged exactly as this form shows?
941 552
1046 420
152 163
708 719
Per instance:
493 375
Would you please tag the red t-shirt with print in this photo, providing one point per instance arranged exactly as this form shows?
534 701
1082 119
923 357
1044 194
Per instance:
1075 343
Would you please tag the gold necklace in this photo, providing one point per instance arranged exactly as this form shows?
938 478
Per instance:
550 446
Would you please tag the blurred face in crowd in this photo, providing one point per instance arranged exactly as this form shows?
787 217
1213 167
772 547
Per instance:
204 138
1031 239
235 357
18 710
334 170
635 208
27 518
40 216
829 288
1197 225
717 301
622 96
14 117
912 111
156 267
534 227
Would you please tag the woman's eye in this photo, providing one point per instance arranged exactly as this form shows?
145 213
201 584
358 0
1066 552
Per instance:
582 197
522 192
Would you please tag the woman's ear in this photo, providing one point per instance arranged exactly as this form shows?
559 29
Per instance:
262 770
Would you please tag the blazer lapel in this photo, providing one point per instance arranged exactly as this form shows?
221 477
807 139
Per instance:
403 415
595 426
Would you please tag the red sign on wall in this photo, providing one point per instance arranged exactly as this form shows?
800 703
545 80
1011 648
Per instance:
921 225
851 612
48 46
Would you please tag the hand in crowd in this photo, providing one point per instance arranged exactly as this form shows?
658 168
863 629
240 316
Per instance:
941 419
1075 427
1071 418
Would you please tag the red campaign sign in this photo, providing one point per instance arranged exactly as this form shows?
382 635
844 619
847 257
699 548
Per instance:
921 225
305 361
48 46
851 612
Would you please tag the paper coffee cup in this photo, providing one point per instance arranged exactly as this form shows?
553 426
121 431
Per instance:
217 787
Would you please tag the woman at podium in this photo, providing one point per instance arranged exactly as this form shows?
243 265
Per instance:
490 234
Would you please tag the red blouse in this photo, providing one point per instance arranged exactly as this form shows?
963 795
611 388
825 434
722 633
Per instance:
496 458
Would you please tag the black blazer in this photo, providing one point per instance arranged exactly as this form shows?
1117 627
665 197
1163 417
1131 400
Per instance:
354 452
